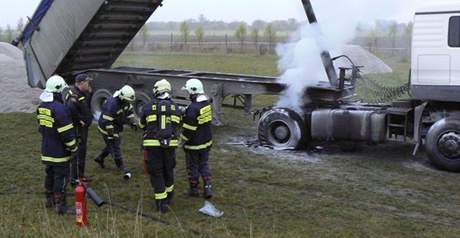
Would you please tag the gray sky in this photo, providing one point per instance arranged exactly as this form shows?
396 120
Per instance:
228 10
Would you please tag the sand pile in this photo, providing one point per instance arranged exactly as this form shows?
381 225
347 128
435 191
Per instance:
16 95
361 57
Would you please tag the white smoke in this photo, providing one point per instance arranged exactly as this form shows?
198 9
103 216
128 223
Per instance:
300 61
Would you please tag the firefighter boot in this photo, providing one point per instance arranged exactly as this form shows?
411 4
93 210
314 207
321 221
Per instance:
126 173
49 199
207 194
162 205
61 207
193 191
99 160
170 197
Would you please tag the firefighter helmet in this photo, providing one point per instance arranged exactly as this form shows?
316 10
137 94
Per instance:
55 84
126 93
194 86
161 86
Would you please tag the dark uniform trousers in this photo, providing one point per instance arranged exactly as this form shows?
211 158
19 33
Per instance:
197 165
112 147
78 163
161 163
56 177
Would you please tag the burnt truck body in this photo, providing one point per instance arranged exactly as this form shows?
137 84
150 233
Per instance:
67 37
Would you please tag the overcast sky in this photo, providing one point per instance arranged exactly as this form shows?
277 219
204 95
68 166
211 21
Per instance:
228 10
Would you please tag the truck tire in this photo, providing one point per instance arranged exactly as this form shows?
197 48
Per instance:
443 144
141 99
98 99
282 129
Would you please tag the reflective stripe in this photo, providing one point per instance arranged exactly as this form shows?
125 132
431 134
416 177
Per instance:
44 111
205 109
120 111
71 143
183 137
81 98
55 160
175 119
105 132
131 115
198 147
156 143
142 126
154 107
108 118
46 123
65 128
170 188
189 127
161 196
45 117
109 127
151 118
163 108
163 121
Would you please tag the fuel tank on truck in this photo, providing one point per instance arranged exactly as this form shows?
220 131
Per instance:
345 124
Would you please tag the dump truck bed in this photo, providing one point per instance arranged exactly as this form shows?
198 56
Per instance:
67 36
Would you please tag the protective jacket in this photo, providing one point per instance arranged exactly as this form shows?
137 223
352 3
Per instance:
58 134
160 120
78 103
114 114
196 129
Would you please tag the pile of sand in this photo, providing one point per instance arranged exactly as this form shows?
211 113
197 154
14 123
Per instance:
16 95
362 57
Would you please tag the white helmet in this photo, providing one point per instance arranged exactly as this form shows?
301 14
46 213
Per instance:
161 87
126 93
55 84
194 86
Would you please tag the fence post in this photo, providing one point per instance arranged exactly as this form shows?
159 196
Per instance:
171 42
226 43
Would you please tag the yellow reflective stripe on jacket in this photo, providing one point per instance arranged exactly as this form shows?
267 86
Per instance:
156 143
161 196
55 160
142 126
81 98
109 127
198 147
163 122
71 143
65 128
44 111
105 132
170 188
151 118
108 118
175 119
189 127
45 117
183 137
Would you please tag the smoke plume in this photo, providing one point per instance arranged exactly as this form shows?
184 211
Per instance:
299 59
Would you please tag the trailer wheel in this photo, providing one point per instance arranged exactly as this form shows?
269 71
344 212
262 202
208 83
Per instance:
443 144
141 99
282 128
98 99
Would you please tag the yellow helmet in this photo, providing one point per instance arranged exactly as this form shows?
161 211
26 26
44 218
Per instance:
161 87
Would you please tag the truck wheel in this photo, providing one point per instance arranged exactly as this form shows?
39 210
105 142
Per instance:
443 144
98 99
282 128
141 99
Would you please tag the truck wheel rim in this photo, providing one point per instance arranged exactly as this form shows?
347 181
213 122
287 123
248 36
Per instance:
449 145
279 133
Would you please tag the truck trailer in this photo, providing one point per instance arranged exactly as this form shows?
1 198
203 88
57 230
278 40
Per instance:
68 37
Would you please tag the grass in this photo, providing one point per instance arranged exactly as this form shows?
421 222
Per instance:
374 192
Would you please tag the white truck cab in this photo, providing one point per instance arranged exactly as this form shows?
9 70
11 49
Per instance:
435 70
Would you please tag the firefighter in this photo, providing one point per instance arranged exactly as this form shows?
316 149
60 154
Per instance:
160 120
117 111
197 138
78 100
59 143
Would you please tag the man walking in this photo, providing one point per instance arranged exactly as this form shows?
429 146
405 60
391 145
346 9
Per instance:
115 113
160 120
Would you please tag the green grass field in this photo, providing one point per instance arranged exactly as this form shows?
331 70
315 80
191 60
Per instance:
378 191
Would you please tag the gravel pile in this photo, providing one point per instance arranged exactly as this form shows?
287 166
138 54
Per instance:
16 95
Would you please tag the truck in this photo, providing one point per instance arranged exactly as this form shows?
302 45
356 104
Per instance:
67 37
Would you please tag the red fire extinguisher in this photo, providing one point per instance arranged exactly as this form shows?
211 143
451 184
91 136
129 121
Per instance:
80 205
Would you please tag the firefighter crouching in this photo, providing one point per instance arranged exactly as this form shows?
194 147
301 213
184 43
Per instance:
117 111
58 143
197 137
160 120
78 101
